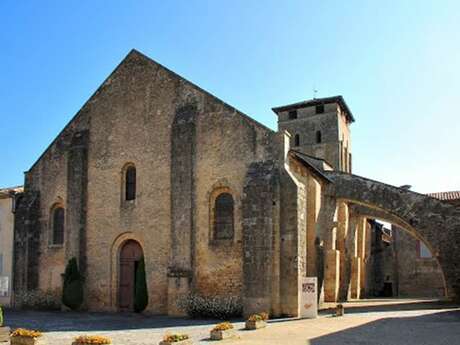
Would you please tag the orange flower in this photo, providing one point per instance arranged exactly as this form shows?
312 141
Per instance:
22 332
93 339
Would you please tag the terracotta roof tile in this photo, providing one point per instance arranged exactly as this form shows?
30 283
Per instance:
454 195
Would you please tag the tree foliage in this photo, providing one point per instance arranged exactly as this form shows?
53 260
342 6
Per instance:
72 294
141 297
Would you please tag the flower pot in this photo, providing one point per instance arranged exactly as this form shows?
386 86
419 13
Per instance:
340 310
20 340
4 334
217 334
255 324
182 342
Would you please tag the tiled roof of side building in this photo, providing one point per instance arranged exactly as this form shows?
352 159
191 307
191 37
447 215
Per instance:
8 191
454 195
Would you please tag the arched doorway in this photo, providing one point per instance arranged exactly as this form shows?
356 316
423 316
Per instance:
130 256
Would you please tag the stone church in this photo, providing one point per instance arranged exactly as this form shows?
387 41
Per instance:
216 203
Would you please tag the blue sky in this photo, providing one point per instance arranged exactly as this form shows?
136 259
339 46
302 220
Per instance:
397 63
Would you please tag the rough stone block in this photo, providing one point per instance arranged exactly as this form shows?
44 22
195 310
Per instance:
28 341
222 334
255 324
4 334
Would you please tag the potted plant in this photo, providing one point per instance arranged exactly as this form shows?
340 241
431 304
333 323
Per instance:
340 310
91 339
256 321
23 336
4 331
222 331
176 339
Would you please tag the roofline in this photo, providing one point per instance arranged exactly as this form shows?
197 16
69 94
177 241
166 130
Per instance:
135 51
312 168
10 191
316 101
247 117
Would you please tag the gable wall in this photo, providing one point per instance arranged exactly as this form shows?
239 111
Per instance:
129 120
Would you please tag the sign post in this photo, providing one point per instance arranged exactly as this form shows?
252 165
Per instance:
309 298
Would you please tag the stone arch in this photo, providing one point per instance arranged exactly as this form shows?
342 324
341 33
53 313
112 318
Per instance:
383 215
434 222
117 245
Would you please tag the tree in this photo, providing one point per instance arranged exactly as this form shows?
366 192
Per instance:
72 294
141 297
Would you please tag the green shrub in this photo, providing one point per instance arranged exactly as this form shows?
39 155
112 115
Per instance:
220 307
39 299
72 293
141 297
1 317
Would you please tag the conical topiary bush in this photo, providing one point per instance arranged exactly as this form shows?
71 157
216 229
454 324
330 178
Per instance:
72 294
141 297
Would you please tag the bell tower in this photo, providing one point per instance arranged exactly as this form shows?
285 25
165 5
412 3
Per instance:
321 128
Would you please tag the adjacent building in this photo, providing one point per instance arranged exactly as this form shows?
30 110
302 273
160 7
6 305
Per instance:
7 206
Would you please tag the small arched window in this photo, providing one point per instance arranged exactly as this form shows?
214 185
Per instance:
223 217
58 226
130 183
297 140
318 137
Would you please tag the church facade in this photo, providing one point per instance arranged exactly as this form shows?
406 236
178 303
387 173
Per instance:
217 204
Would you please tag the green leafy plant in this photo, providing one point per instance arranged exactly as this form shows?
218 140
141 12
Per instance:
72 294
141 297
1 317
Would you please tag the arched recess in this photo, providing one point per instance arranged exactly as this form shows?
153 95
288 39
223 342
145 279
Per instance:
434 222
368 212
128 183
57 224
218 190
117 256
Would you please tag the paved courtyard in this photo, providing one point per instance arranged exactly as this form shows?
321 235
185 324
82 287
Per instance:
376 322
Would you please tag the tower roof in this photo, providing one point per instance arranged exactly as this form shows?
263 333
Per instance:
318 101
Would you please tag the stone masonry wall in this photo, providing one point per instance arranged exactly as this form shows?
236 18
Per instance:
129 120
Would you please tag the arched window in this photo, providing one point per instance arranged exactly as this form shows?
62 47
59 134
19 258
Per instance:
318 137
297 140
58 226
130 183
223 217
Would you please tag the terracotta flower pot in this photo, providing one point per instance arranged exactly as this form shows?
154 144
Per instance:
4 334
255 324
217 334
182 342
20 340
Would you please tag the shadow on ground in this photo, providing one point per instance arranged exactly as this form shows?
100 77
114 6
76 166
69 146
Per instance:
56 321
370 306
441 328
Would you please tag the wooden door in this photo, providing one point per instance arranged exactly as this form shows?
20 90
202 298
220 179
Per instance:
130 254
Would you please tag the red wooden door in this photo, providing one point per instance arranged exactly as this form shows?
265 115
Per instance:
130 254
